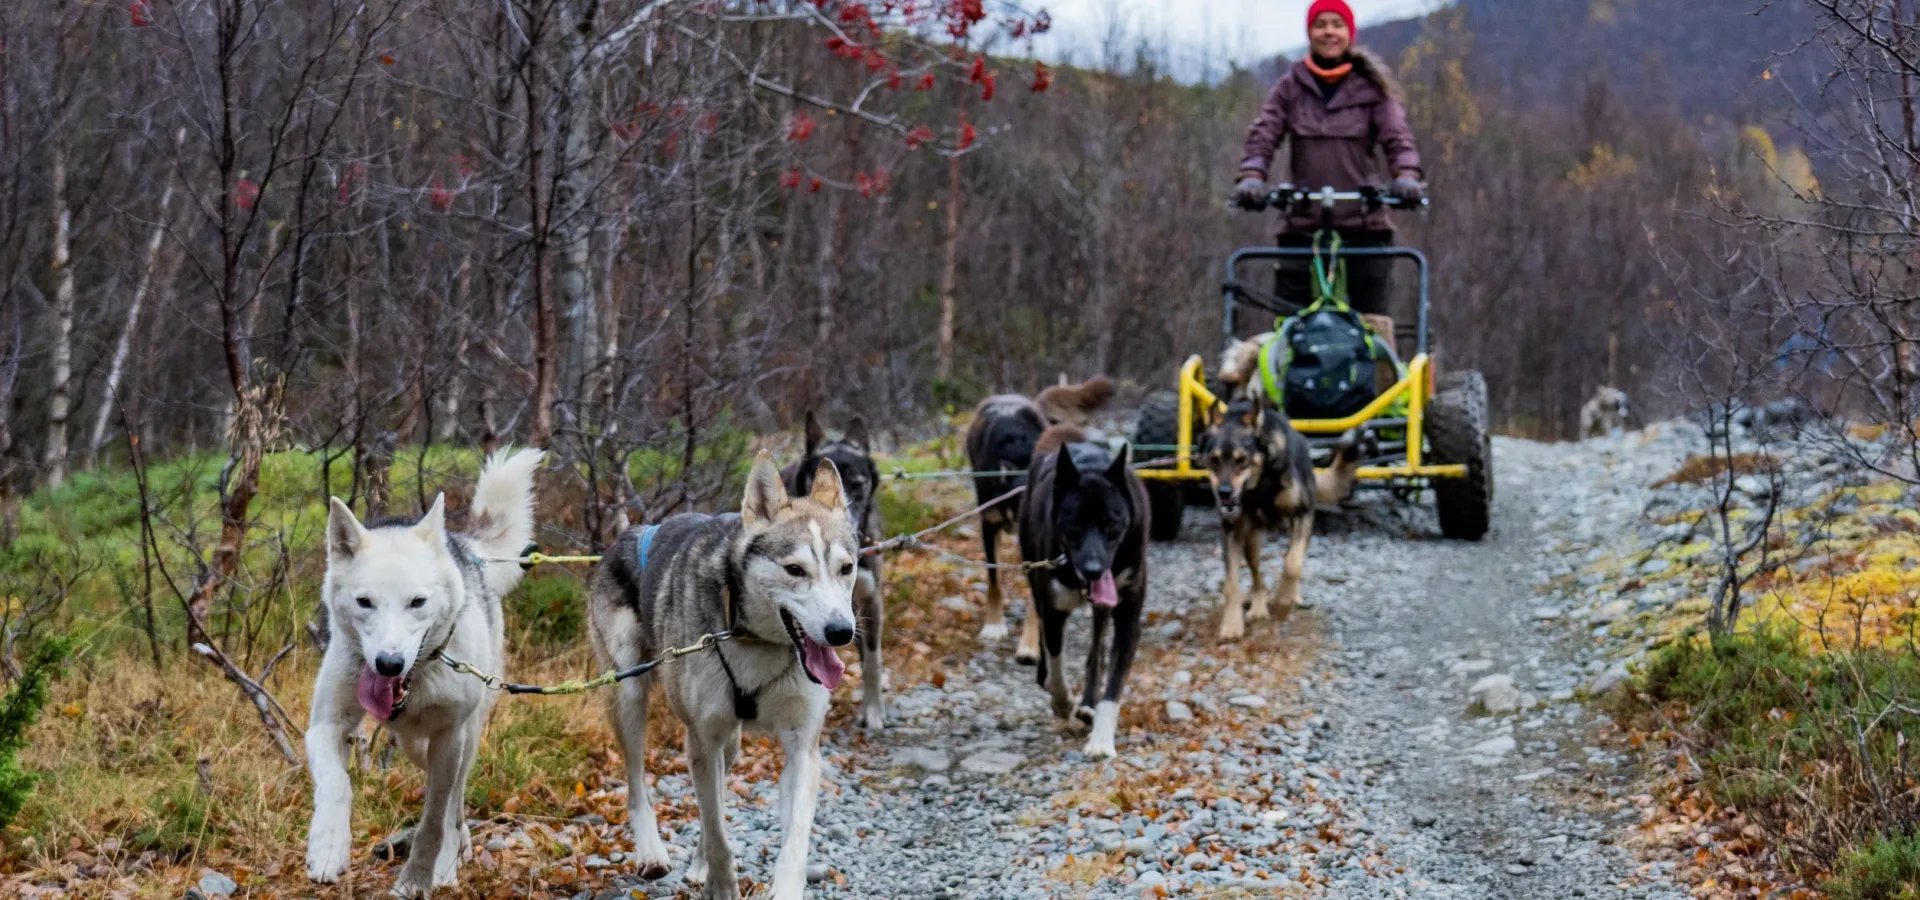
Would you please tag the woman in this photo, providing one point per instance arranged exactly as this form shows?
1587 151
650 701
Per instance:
1337 109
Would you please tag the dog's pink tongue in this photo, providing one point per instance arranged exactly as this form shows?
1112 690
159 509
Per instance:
376 693
1104 593
822 663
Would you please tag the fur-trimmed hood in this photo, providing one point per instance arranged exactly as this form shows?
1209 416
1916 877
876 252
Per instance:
1367 65
1373 67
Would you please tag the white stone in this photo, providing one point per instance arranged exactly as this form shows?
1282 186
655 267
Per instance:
992 762
925 759
1495 695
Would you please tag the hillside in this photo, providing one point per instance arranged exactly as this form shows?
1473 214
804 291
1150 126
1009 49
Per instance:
1704 56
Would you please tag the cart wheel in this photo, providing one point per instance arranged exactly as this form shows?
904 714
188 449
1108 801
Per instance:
1166 501
1456 427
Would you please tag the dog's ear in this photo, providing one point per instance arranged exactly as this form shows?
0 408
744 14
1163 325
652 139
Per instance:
815 434
432 527
1216 413
1256 410
826 487
766 496
345 536
857 434
1122 461
1066 475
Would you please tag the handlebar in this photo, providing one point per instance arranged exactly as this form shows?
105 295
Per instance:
1286 196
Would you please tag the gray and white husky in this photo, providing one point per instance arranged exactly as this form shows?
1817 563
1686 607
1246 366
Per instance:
398 594
780 577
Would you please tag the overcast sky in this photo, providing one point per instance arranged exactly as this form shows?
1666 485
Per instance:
1203 36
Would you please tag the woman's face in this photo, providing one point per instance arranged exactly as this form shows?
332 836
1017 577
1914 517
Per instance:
1329 36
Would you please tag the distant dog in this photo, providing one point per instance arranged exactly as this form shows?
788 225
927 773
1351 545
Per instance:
396 596
780 577
852 456
1001 439
1264 480
1086 505
1604 414
1782 418
1239 369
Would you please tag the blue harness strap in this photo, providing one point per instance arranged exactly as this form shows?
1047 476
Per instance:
646 543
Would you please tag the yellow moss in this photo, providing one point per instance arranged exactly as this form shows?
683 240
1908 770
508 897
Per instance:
1860 585
1692 550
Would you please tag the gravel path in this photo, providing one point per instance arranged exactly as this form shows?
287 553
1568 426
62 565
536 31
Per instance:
1333 755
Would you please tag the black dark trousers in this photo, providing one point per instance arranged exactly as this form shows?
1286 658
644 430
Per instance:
1369 279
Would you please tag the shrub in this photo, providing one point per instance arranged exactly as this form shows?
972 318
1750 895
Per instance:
18 710
1811 747
549 610
1887 869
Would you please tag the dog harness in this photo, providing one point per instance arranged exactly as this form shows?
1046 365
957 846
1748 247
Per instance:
746 704
646 543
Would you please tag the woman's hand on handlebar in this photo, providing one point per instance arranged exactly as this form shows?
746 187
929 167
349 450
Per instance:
1250 193
1407 189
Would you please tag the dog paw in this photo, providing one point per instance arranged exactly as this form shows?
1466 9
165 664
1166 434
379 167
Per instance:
1027 656
1260 612
650 859
699 873
1232 631
1084 713
993 632
327 853
1100 747
448 877
873 716
412 883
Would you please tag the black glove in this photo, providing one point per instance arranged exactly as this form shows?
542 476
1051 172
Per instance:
1250 193
1407 191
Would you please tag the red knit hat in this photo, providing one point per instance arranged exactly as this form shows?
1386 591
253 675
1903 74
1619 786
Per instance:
1333 6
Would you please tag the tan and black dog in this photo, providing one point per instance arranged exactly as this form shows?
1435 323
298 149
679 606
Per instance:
1001 439
1264 480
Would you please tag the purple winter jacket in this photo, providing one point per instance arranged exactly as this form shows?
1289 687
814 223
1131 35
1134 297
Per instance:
1333 143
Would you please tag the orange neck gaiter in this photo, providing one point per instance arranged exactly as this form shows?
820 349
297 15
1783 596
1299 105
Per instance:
1329 76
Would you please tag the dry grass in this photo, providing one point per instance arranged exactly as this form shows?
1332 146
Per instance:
148 778
1702 469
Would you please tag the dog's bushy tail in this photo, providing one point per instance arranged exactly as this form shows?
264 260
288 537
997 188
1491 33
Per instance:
1074 404
1333 483
501 523
1058 436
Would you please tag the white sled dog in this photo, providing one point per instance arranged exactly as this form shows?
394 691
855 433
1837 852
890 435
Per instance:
397 595
779 576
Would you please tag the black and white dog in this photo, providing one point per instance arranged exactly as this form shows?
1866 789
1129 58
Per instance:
852 456
1001 439
1086 506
